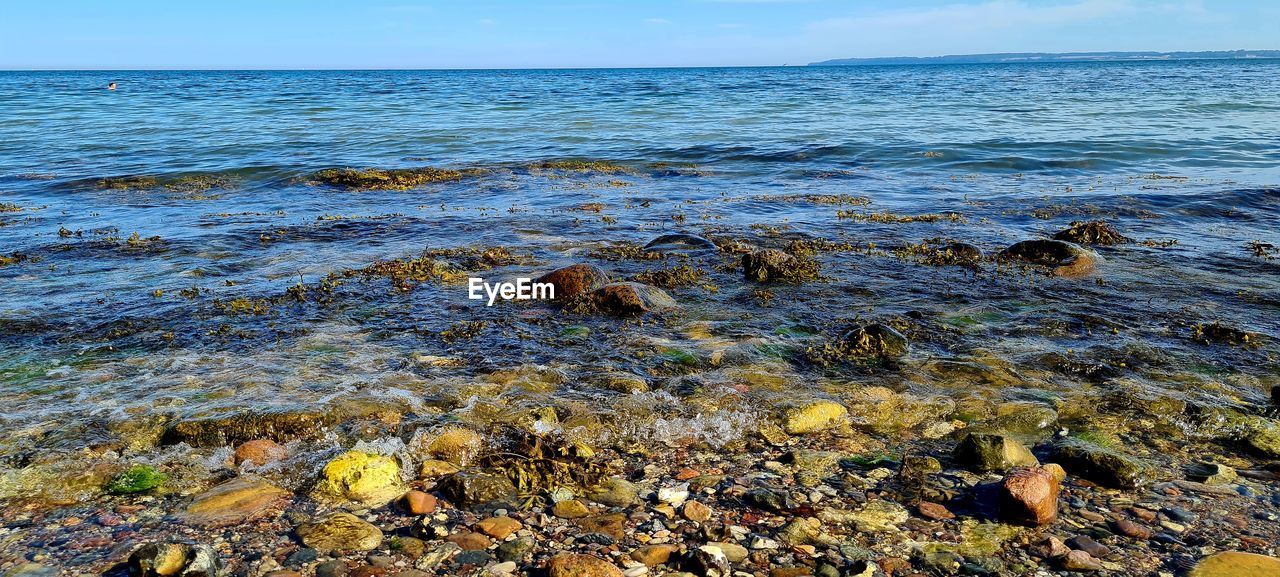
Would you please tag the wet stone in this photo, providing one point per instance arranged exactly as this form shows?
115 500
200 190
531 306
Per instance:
631 298
471 488
991 452
575 280
1100 465
174 559
1062 258
576 565
681 242
340 532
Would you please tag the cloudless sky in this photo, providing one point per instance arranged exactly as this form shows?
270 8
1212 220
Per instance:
127 34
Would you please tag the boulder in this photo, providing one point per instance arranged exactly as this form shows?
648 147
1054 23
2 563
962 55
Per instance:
1029 496
471 488
574 280
1062 258
340 532
365 478
991 452
456 445
1262 436
631 298
1100 465
235 501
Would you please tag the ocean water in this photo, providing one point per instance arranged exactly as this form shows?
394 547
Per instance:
136 217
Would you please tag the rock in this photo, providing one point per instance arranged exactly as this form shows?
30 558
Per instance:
1262 436
1059 474
515 549
1079 561
768 499
475 558
469 541
1211 473
499 527
708 561
773 265
801 531
31 570
1049 548
1100 465
174 560
331 569
696 512
259 452
1095 232
876 340
571 509
498 569
674 496
456 445
813 417
1088 545
615 492
340 532
435 468
1131 529
242 427
575 565
631 298
611 524
734 552
472 488
962 252
990 452
654 555
301 557
1029 496
1063 258
575 280
418 502
680 242
1236 564
235 501
934 511
366 478
879 515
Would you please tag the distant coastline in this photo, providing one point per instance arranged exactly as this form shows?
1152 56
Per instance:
1017 57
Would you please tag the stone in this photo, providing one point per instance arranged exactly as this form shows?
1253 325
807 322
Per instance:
237 428
615 492
469 541
1100 465
576 565
1262 436
1063 258
611 524
991 452
935 511
769 265
878 515
331 569
259 452
31 570
1079 561
813 417
236 501
674 496
1211 473
631 298
301 557
654 555
498 569
456 445
435 468
1236 564
696 512
471 488
1096 232
877 340
734 552
1088 545
365 478
680 242
1029 496
340 532
571 509
1049 548
801 531
709 561
473 558
499 527
418 502
515 549
575 280
174 560
768 499
1131 529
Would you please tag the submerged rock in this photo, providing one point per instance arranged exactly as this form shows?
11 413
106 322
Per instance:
1029 496
259 452
243 427
174 560
1262 436
991 452
773 265
472 488
577 565
1211 473
631 298
575 280
362 477
1063 258
1095 232
340 532
1236 564
876 340
1100 465
680 242
813 417
455 445
236 501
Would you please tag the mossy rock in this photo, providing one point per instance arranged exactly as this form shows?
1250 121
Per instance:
237 428
136 479
813 417
365 478
1101 465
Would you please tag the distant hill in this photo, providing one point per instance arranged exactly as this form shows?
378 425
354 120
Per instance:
1013 57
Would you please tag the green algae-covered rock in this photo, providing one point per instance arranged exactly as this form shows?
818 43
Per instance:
991 452
362 477
136 479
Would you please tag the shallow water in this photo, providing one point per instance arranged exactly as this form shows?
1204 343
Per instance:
1181 151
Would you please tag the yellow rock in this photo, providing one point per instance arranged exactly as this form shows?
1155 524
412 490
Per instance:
1236 564
456 445
813 417
432 468
362 477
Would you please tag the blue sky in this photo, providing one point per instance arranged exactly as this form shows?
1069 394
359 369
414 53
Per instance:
564 33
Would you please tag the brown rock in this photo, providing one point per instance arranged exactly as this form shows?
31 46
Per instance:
1029 496
575 280
368 571
573 565
935 511
654 555
790 572
629 298
259 452
571 509
469 541
611 524
1049 548
1088 545
1130 529
696 512
236 501
766 265
283 573
1236 564
1079 561
499 527
419 502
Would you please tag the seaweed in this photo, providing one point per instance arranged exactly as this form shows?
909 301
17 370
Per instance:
891 218
681 275
9 207
136 479
581 165
540 464
357 179
1264 250
1096 232
1218 333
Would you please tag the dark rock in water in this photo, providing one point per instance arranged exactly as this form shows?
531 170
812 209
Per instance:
575 280
963 251
768 499
991 452
630 298
242 427
773 265
1029 496
174 560
876 340
1064 258
1211 473
1100 465
1088 545
471 488
708 561
515 550
1096 232
680 242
